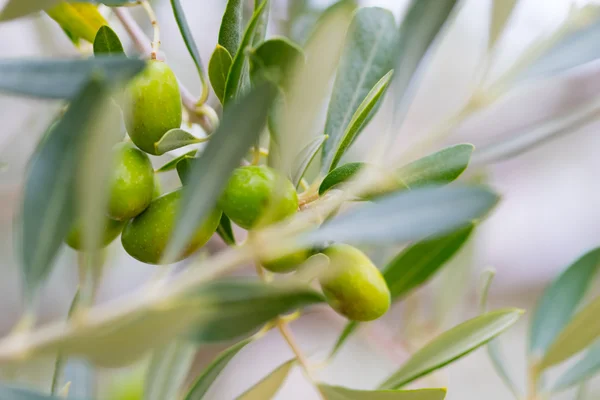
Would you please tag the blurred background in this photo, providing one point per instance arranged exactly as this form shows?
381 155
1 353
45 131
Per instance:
548 216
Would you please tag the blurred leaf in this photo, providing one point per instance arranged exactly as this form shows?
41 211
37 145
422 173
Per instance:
501 12
80 20
360 118
275 59
60 360
420 27
584 369
305 157
48 206
62 79
230 33
342 393
339 175
263 22
452 345
171 165
183 169
211 373
13 393
188 38
493 346
225 231
407 216
560 301
107 42
174 139
240 307
579 46
438 168
348 330
238 80
268 387
241 125
14 9
168 369
218 70
582 331
366 59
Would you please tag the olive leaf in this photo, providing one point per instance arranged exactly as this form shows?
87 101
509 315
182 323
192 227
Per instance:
561 300
62 79
107 42
230 32
14 9
225 231
339 176
501 12
237 80
365 60
211 373
584 369
171 165
218 70
582 331
241 125
274 60
305 157
168 369
452 345
261 28
183 167
174 139
360 118
406 216
78 20
268 387
342 393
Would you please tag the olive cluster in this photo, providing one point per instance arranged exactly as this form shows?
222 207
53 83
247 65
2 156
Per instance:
254 196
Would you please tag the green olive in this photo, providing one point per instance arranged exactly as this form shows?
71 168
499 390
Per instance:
152 105
353 286
146 236
286 263
248 196
132 183
112 229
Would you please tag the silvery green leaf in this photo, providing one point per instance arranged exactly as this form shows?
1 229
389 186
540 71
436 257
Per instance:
230 33
268 387
188 38
584 369
304 158
174 139
168 369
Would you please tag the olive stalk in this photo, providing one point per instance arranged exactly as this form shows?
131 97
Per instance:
154 21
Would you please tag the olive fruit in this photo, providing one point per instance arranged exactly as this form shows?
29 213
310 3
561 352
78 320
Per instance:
152 105
286 263
249 195
112 229
353 286
146 236
132 183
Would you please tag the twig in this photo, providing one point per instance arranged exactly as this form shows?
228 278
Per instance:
152 15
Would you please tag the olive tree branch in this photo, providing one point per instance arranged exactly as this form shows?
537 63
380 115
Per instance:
154 21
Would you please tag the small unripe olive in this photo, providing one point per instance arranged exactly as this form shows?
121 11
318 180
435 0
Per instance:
132 183
286 263
112 229
146 236
258 194
353 286
152 105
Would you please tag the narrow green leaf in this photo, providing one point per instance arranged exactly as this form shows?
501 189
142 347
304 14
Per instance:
174 139
418 263
582 331
107 42
218 70
342 393
268 387
366 59
360 118
48 206
171 165
274 60
241 125
230 33
168 369
225 231
339 176
419 29
261 28
211 373
188 38
62 79
584 369
501 12
305 157
438 168
407 216
18 8
238 80
14 393
240 307
560 301
452 345
348 330
183 169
